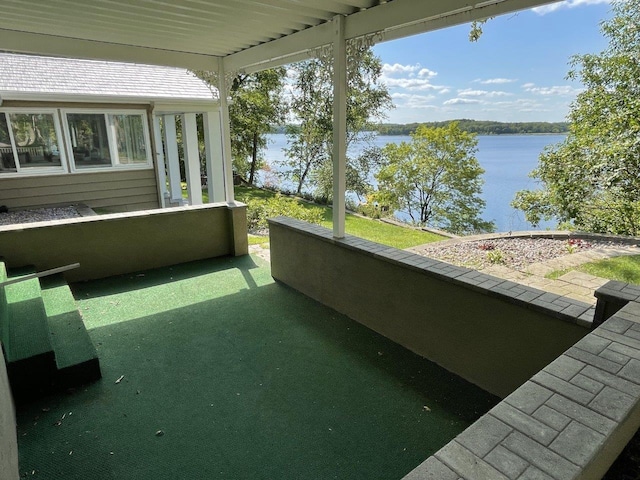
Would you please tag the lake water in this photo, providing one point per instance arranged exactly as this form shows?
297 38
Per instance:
506 159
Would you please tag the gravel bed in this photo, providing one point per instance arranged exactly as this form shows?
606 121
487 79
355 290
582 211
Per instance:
37 215
514 252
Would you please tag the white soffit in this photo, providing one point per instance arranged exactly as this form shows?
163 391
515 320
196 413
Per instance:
196 34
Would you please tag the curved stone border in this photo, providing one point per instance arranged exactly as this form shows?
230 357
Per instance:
553 234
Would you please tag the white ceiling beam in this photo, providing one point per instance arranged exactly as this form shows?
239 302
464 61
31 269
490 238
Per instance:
33 43
396 19
279 51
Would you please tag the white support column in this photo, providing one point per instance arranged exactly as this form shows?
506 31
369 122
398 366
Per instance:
191 158
215 157
226 133
339 125
161 176
173 161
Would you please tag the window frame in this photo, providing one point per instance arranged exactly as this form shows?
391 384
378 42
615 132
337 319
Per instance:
111 138
62 151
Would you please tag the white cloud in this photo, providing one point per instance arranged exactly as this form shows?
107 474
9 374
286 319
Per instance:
543 10
408 100
468 92
409 77
492 81
425 72
461 101
554 90
398 69
411 84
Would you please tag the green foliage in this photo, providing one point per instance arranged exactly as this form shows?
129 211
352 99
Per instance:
623 269
435 179
481 127
391 235
259 210
257 104
592 179
496 257
311 140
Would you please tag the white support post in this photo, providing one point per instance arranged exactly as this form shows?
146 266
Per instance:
339 125
173 161
191 158
226 133
161 176
215 157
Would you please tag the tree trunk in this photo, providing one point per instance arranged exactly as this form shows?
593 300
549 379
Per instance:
254 158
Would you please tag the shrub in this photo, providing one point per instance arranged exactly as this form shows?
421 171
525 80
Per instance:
259 210
496 257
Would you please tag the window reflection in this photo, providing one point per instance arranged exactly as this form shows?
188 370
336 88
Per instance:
36 140
130 138
7 161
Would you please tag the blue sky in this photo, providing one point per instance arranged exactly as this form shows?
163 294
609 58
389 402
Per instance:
514 73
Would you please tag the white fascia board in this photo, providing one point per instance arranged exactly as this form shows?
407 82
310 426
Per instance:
481 11
190 103
166 108
394 19
40 44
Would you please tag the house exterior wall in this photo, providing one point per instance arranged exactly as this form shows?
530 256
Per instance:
474 326
119 189
114 191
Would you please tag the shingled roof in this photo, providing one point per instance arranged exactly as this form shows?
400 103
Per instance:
26 77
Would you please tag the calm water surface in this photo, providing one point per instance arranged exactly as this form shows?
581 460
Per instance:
506 159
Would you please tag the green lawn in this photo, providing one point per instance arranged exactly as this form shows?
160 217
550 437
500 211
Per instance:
624 268
374 230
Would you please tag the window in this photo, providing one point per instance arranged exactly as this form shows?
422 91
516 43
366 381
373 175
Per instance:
89 141
29 143
108 140
130 138
32 142
7 162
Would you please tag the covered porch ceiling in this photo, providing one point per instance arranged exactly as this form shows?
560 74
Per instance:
243 35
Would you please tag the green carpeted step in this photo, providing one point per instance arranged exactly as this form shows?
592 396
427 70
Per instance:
4 313
76 356
27 334
26 338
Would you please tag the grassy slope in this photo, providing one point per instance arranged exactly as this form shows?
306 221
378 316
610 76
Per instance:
624 269
373 230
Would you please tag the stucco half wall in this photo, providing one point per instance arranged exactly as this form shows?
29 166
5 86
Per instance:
456 317
127 242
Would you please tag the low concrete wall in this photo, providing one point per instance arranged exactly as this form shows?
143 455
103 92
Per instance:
122 243
569 421
494 333
8 438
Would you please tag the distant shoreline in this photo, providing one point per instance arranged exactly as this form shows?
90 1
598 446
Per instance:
479 127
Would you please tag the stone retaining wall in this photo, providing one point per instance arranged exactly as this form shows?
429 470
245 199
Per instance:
492 332
569 420
114 244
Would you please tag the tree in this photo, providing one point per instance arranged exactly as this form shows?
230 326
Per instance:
311 142
257 104
592 179
435 179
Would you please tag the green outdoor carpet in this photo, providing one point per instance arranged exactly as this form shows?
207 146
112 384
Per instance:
211 370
